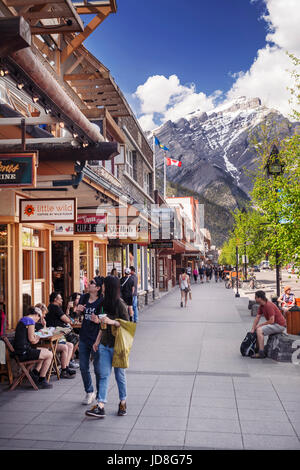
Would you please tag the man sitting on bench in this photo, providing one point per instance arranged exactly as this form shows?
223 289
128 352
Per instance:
275 322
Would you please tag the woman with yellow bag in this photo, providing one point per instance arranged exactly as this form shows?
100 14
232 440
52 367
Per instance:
113 308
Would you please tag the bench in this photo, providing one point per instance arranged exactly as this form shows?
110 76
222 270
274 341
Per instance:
281 347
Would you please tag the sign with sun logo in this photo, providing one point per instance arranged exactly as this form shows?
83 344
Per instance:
29 210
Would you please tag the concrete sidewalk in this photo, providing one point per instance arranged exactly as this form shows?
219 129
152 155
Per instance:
188 387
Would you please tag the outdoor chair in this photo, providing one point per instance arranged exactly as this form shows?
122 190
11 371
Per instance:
25 367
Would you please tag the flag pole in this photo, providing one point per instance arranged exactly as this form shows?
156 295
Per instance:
154 163
165 175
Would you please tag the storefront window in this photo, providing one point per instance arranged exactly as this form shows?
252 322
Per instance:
114 259
34 267
83 258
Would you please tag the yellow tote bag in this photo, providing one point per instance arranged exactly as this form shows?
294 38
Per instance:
123 343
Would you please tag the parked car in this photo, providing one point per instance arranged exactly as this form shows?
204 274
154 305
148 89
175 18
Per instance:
265 265
256 268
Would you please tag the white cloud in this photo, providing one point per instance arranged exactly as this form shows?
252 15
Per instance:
268 78
169 99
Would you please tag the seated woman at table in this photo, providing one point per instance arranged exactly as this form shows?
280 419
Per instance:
25 337
63 348
72 305
286 300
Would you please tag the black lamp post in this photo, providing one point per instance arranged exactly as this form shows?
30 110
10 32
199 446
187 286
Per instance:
274 168
245 253
237 270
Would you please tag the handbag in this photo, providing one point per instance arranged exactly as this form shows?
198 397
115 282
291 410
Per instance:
69 334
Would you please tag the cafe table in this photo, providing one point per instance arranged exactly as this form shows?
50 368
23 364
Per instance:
51 342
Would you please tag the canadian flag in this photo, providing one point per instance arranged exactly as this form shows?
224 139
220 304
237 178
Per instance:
171 162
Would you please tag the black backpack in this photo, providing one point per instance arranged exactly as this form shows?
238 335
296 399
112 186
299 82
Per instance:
248 346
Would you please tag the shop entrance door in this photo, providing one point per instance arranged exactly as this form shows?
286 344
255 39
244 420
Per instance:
62 268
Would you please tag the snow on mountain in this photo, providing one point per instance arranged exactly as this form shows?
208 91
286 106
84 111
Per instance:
214 146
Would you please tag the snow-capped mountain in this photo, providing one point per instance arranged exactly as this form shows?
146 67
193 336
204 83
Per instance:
214 148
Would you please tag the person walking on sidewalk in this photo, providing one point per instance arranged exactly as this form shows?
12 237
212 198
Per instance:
127 290
184 285
216 273
195 274
134 297
201 274
275 322
113 307
207 273
90 306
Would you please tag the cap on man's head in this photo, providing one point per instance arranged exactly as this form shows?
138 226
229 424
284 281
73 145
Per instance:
127 271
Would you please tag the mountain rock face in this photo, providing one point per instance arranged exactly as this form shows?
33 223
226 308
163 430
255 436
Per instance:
215 149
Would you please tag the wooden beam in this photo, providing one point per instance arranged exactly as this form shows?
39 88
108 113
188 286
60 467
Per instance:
15 35
97 94
56 29
78 40
19 3
86 83
43 15
43 48
44 140
81 76
30 121
74 65
66 152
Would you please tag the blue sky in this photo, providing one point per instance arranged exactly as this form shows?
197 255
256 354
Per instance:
200 41
200 44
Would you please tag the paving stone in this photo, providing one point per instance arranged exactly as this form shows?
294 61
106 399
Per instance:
91 435
214 440
161 422
46 432
291 405
272 428
294 416
269 415
212 413
214 402
259 404
214 425
260 442
20 417
156 437
181 411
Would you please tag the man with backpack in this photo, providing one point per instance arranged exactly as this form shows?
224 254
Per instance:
275 322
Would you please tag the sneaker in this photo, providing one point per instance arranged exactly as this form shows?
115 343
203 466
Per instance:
66 375
89 398
122 410
71 371
96 412
44 384
35 377
73 365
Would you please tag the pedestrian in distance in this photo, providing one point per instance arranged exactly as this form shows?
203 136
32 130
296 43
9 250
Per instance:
216 273
275 322
207 273
195 274
127 291
185 286
135 296
113 307
90 307
201 274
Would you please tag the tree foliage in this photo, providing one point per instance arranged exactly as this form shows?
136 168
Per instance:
272 221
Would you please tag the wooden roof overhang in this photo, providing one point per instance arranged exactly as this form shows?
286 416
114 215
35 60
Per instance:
47 16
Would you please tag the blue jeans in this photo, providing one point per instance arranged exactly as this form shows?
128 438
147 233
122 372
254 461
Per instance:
85 351
106 356
135 308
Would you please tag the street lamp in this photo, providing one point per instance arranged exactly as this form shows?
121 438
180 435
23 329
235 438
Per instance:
274 168
245 253
237 270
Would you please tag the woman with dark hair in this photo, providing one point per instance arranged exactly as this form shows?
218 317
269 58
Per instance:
112 307
185 286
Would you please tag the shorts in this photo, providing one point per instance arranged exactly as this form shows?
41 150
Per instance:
272 329
128 301
30 355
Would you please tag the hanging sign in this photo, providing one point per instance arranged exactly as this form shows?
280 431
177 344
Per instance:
90 223
18 170
48 210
